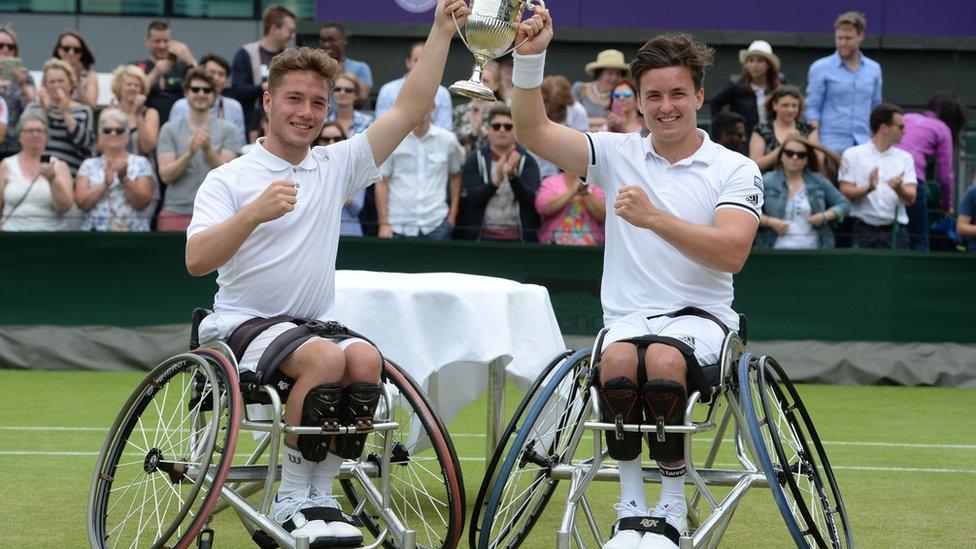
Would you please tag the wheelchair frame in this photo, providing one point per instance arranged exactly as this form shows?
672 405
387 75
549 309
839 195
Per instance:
559 463
233 484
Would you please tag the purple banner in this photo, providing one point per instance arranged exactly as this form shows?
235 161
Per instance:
885 17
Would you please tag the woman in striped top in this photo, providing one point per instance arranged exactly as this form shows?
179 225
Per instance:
69 129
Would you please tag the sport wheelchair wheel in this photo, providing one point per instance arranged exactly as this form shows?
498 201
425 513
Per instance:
157 476
792 456
546 423
426 487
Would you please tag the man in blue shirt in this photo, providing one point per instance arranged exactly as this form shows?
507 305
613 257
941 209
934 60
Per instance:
442 116
332 38
844 87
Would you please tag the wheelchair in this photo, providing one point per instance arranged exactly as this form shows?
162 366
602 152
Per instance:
775 446
168 466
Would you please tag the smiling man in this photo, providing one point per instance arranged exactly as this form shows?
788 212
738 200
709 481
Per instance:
268 222
684 217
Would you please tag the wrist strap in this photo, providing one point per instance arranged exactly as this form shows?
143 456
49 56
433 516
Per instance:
529 70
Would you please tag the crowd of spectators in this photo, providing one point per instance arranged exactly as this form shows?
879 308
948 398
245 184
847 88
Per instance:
841 167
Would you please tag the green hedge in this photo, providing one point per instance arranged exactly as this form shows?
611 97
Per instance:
140 280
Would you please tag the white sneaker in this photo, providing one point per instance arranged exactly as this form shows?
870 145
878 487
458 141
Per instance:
625 538
675 513
318 518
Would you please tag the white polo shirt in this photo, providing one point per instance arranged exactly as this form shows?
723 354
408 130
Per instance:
286 266
882 205
642 272
418 172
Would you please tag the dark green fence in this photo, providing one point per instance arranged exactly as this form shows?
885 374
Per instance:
139 280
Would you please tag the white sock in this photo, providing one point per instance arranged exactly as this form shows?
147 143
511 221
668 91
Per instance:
324 473
632 486
672 483
296 471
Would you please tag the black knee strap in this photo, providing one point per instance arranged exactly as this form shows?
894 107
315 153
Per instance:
622 404
358 408
664 404
321 408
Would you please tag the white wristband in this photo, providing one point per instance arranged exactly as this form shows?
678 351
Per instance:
529 70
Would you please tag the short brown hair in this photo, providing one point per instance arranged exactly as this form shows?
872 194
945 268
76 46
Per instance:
303 59
673 50
197 73
274 16
855 19
884 114
498 109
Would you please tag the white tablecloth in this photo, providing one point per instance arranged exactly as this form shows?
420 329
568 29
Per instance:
446 328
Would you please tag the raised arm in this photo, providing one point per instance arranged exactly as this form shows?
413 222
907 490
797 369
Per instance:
534 130
421 84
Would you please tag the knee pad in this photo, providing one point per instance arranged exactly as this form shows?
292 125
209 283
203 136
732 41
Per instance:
664 404
359 406
321 408
621 404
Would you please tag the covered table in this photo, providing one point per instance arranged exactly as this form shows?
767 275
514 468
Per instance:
456 334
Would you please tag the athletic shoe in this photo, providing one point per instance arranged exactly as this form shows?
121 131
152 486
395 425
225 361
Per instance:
625 538
318 518
675 513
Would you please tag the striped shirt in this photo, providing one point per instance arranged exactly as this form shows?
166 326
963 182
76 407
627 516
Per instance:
72 147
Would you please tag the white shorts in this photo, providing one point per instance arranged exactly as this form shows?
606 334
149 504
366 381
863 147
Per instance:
701 334
249 362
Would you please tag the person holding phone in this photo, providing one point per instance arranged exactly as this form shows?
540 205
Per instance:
16 86
623 116
35 188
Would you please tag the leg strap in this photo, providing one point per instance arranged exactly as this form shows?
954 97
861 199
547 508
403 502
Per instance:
621 404
358 408
321 408
664 404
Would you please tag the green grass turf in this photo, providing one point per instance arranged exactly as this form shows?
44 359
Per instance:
873 434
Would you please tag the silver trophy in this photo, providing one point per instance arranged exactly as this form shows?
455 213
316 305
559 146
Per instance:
491 27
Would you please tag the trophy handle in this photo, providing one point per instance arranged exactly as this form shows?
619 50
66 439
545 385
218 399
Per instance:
461 34
527 5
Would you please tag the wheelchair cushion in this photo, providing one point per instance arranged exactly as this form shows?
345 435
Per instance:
651 525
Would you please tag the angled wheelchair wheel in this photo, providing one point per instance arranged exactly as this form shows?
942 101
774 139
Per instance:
426 486
165 458
792 456
518 482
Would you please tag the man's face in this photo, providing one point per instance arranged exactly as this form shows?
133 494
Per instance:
284 33
415 54
333 41
895 130
218 74
297 108
848 41
158 43
732 138
501 132
200 95
669 102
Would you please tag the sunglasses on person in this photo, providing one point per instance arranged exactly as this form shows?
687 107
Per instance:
626 94
330 139
201 89
344 89
70 49
498 126
8 46
800 155
110 131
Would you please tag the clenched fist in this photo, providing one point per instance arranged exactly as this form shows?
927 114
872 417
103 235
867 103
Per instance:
277 200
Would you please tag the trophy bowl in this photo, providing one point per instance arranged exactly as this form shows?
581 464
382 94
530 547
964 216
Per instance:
491 30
